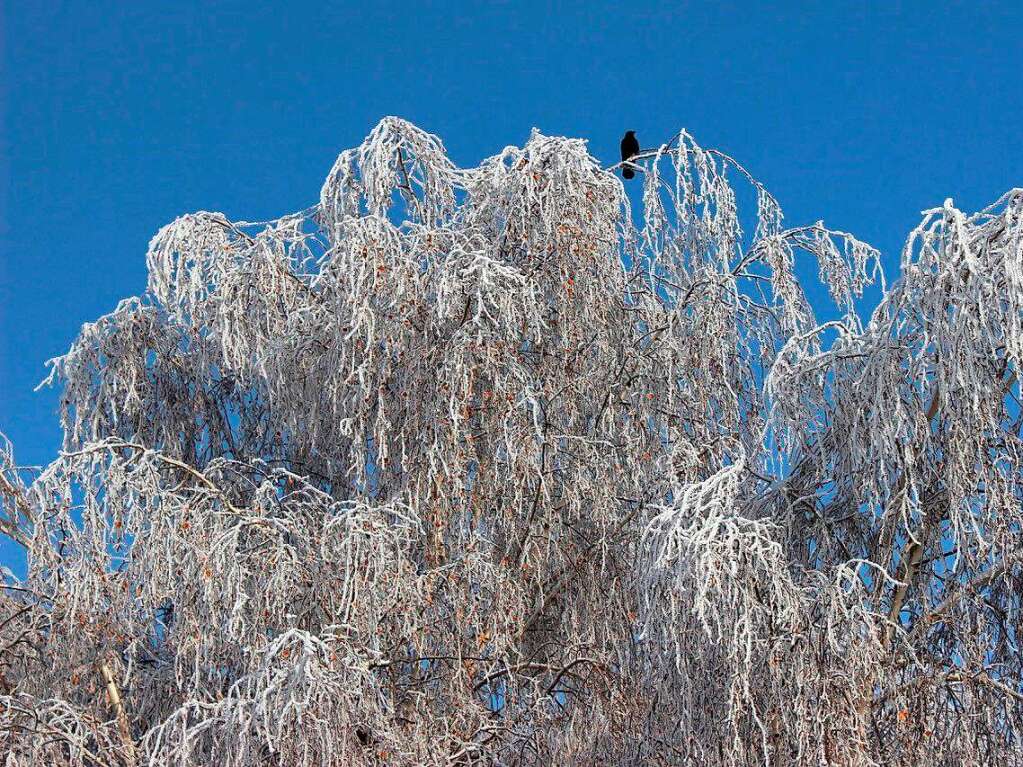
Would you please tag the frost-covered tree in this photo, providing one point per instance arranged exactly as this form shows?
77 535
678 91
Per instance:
467 467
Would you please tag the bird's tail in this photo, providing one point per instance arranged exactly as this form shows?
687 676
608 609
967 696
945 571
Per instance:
628 172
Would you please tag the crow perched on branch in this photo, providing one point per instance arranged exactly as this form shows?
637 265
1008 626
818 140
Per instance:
630 148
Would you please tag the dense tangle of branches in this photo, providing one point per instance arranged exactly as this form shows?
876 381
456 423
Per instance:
466 467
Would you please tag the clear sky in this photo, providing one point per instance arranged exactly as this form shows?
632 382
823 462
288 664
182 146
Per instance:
117 117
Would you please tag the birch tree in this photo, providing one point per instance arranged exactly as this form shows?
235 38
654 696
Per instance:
472 466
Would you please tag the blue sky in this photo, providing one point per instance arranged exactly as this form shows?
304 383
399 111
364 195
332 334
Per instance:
117 117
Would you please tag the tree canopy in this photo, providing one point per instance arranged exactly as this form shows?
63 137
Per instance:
466 466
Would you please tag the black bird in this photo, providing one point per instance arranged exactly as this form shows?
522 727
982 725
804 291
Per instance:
630 148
